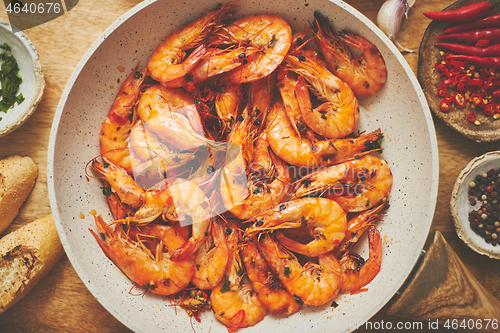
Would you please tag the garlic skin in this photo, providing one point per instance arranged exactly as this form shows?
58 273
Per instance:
390 16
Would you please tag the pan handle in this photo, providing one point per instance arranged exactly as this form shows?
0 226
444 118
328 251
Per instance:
443 290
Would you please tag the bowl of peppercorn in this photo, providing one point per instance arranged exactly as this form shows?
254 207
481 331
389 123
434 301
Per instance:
475 204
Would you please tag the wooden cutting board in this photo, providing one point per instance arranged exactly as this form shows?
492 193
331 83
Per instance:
60 302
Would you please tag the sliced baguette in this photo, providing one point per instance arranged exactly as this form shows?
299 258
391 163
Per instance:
26 255
17 178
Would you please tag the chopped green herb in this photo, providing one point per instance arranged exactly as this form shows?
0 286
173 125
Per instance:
225 287
106 191
10 80
5 47
298 300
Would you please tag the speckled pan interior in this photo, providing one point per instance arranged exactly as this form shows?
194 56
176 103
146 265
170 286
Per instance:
399 109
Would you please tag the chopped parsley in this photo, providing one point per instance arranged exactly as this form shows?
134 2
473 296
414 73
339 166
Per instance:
106 191
298 300
225 287
10 80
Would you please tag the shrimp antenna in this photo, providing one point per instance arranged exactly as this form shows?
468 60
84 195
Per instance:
137 287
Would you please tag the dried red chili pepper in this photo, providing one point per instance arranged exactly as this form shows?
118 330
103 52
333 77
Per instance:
476 99
459 99
451 82
497 108
460 87
471 117
448 98
490 83
485 72
206 95
449 74
487 22
482 43
190 86
486 62
444 106
489 109
476 82
454 72
441 91
488 51
479 85
463 78
496 93
457 65
467 13
440 67
491 35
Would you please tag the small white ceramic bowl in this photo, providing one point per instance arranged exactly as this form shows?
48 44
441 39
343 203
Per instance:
30 70
460 206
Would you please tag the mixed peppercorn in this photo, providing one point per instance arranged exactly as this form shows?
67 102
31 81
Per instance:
484 216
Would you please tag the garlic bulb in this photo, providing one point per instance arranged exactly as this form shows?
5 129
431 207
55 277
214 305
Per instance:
389 18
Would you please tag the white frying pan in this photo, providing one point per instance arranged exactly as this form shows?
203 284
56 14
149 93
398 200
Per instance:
399 110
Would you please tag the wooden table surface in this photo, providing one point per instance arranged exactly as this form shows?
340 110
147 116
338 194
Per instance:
60 302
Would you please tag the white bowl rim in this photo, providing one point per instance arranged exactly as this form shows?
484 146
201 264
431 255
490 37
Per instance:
39 80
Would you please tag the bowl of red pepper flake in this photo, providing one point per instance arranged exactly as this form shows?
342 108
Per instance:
459 67
475 204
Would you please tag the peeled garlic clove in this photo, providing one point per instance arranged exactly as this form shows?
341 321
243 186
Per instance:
390 16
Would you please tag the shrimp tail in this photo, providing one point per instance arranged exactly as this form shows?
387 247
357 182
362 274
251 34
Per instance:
351 39
295 246
195 57
239 317
185 250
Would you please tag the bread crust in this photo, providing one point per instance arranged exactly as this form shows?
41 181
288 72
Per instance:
26 255
17 178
